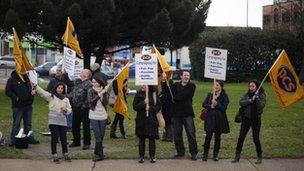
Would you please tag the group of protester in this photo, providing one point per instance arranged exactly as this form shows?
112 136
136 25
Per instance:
87 99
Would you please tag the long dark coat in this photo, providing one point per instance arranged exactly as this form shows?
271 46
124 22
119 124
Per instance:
166 103
146 127
216 120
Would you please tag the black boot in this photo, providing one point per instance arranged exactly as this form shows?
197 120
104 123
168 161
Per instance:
152 149
259 160
205 157
141 151
122 130
237 157
98 152
101 154
206 151
113 132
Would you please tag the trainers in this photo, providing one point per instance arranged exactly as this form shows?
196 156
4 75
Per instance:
259 161
153 160
55 159
67 158
86 147
141 160
74 145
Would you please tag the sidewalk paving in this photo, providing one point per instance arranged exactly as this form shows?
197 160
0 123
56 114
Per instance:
163 164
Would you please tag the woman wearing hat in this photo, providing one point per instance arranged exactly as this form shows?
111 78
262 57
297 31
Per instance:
97 97
216 120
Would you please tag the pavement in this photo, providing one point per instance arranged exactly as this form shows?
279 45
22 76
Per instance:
162 164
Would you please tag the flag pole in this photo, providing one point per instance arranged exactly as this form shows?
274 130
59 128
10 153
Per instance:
111 82
67 30
213 93
147 97
270 70
172 98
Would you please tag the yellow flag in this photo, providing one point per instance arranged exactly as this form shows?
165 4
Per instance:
285 82
163 63
70 39
21 60
120 105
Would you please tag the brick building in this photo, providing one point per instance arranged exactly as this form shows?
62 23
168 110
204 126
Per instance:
283 14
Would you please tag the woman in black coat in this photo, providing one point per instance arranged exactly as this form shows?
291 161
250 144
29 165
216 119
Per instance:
166 109
216 120
146 126
252 104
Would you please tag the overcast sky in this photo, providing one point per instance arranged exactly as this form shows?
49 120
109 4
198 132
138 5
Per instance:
233 12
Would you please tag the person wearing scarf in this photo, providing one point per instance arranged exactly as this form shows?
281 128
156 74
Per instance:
98 99
253 103
59 107
216 121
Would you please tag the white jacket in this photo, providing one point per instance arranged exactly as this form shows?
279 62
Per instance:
56 115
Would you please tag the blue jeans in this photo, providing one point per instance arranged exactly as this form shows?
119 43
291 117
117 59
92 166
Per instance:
69 121
19 113
188 123
99 128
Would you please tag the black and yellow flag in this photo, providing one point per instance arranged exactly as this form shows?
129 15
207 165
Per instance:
70 39
285 82
120 105
22 62
163 63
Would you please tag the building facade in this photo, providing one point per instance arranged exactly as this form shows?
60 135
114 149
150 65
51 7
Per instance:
283 14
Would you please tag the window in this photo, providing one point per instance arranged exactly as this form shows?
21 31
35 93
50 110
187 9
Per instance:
296 13
276 16
285 17
266 19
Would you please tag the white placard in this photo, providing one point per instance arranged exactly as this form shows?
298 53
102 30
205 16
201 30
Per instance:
215 63
72 65
146 72
33 77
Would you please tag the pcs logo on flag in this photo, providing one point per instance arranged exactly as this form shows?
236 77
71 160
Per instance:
286 79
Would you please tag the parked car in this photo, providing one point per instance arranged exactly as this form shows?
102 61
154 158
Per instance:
43 70
106 69
7 61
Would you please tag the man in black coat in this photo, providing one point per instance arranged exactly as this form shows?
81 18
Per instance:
183 115
22 98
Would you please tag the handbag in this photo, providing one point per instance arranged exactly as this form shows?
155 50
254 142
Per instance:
203 114
160 119
239 115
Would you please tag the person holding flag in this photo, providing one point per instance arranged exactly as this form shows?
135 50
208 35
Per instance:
19 89
286 86
97 97
166 96
120 87
253 103
119 118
